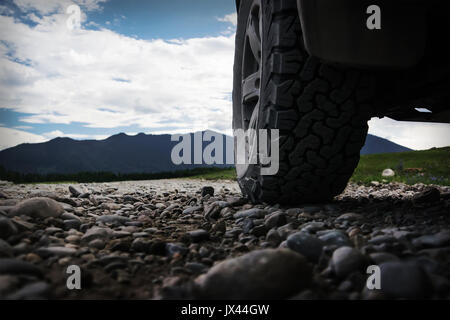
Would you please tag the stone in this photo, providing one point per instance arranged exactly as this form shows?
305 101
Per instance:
250 213
381 257
346 260
7 228
55 251
74 192
429 195
261 274
403 280
6 250
95 233
273 237
440 239
72 224
191 210
32 291
207 190
38 208
336 238
276 219
350 216
388 173
113 219
18 267
97 244
198 235
307 245
175 249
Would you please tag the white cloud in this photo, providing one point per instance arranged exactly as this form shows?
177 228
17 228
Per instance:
74 76
414 135
60 134
45 7
12 137
229 18
22 127
5 10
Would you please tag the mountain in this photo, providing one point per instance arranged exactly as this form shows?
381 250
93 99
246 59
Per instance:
121 153
376 145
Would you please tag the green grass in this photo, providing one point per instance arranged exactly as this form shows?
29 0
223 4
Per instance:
434 165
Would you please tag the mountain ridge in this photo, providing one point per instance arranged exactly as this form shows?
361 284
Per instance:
122 153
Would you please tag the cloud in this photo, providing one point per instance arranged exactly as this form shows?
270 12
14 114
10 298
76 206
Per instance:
63 76
4 10
60 134
46 7
414 135
229 18
12 137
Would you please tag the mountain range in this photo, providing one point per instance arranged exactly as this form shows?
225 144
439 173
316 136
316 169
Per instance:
121 153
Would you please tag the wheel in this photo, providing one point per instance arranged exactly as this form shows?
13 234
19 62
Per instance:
321 111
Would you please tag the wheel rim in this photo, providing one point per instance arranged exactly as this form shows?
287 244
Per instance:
251 84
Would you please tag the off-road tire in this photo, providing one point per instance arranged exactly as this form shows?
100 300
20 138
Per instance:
321 111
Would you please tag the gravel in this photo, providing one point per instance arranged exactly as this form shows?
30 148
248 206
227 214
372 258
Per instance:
184 239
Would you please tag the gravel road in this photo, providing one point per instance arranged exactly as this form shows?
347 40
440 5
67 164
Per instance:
194 239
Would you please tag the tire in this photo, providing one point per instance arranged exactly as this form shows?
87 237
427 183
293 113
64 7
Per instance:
321 111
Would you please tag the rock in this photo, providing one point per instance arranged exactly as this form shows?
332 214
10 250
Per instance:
191 210
259 231
250 213
172 249
261 274
7 228
72 224
97 244
346 260
276 219
55 251
440 239
212 212
388 173
69 216
350 216
18 267
113 219
33 291
207 191
198 235
307 245
402 280
273 237
6 250
335 237
381 257
196 267
313 227
38 208
430 195
74 192
95 233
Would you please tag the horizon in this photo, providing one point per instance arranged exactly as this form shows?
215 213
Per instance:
139 66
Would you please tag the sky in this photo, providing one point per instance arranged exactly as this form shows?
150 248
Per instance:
130 66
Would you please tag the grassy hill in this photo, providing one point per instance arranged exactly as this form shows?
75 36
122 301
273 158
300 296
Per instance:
428 166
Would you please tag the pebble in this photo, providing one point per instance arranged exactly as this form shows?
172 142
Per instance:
346 260
260 274
335 237
250 213
198 235
38 208
400 280
7 228
207 190
95 233
18 267
306 244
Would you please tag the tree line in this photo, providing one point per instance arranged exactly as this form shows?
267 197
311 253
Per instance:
87 177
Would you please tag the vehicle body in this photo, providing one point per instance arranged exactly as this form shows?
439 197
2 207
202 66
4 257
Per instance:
398 51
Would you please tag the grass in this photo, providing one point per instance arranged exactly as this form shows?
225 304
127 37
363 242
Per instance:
428 167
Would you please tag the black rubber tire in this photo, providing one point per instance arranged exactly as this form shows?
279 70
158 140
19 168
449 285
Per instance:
321 111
